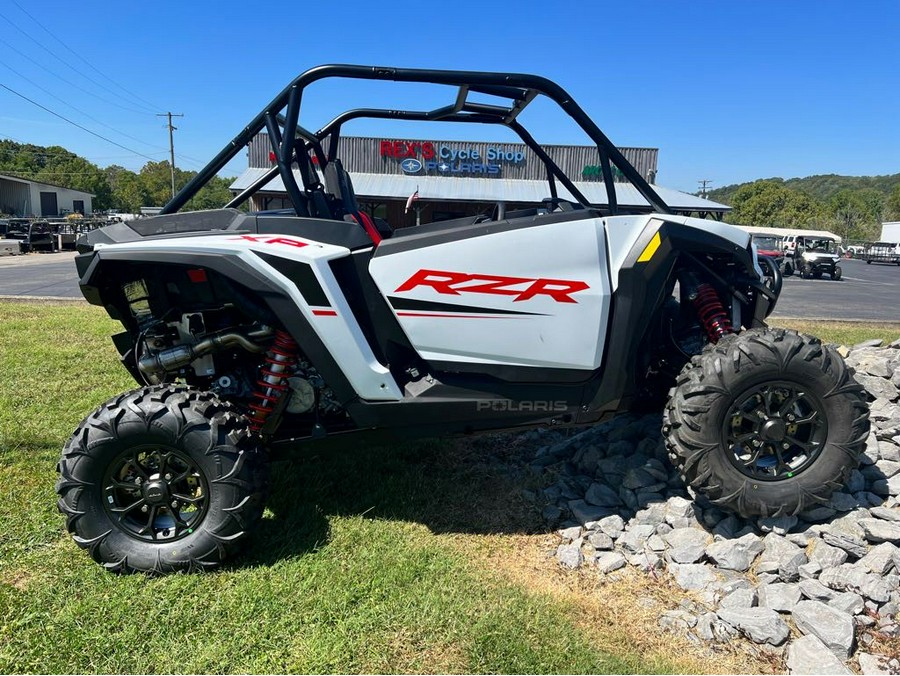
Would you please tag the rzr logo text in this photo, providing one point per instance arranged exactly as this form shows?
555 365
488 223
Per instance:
523 288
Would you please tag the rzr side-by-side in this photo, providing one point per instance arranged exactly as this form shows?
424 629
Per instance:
256 332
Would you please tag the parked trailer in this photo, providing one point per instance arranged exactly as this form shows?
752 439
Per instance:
882 252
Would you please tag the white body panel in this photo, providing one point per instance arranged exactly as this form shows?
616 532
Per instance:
338 331
505 323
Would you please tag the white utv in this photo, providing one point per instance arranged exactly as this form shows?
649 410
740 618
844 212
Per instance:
254 333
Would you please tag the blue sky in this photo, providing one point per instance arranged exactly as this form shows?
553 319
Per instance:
728 91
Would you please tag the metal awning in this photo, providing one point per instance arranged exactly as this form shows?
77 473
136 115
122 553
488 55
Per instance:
452 188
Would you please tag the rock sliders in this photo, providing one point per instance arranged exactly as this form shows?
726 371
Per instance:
832 572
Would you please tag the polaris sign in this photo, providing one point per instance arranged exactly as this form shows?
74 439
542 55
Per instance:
411 165
447 159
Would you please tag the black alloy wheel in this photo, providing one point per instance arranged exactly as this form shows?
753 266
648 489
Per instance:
775 431
156 493
766 422
162 479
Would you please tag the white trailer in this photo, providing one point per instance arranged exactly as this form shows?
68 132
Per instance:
890 231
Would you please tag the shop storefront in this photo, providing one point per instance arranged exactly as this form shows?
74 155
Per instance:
451 179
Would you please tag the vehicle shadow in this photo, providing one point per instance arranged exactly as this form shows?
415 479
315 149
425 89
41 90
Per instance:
477 485
486 484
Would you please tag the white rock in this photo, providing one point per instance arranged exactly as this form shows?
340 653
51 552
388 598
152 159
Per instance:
735 554
808 655
740 598
877 530
688 545
881 558
762 625
826 555
833 627
612 525
607 562
873 665
692 576
570 556
779 596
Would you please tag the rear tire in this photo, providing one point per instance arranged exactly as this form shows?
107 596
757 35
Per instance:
732 389
788 269
162 479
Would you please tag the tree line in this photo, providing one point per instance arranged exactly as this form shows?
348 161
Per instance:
114 187
850 206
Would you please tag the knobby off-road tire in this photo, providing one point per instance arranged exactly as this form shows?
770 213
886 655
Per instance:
187 455
759 371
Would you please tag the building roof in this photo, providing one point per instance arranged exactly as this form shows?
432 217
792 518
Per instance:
6 177
784 232
452 188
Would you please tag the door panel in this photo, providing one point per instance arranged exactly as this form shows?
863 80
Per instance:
534 296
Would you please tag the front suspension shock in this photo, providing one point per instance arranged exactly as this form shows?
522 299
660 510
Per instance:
711 312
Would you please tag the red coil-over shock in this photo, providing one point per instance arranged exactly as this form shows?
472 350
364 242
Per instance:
273 374
711 312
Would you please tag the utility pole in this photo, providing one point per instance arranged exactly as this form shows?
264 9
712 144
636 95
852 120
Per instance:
704 183
170 115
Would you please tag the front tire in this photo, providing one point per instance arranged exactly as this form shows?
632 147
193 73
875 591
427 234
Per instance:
162 479
768 422
836 275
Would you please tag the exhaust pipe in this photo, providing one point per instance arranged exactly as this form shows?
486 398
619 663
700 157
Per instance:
174 358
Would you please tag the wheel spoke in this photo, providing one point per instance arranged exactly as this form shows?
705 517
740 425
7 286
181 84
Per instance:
124 485
151 517
806 446
789 402
189 500
767 400
136 464
811 418
180 524
124 510
753 458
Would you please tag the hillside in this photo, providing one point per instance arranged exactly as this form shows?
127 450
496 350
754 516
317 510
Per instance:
851 206
821 187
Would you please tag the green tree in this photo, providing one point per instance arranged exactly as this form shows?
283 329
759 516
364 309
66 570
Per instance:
770 203
850 213
892 205
127 192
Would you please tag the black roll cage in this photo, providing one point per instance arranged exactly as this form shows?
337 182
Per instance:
292 143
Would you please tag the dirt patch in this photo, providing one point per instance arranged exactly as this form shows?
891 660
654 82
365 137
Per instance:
618 610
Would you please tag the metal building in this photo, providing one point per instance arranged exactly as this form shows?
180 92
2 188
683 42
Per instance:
461 178
22 197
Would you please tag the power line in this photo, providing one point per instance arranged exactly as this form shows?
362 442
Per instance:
89 64
61 117
704 182
60 59
76 109
68 81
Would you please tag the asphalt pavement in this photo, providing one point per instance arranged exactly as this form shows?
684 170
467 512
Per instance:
866 292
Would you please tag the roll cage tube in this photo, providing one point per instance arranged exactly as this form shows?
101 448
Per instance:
292 143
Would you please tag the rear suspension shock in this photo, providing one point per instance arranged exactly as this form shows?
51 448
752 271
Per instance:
711 312
272 385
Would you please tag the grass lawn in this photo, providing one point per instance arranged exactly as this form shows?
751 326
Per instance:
842 333
418 558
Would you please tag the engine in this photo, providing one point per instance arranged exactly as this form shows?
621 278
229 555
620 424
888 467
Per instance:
226 342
